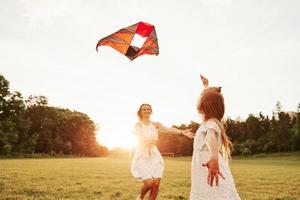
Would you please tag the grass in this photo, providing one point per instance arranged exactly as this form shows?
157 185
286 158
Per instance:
270 178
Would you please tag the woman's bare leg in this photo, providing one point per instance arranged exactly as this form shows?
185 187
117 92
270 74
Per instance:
155 188
148 184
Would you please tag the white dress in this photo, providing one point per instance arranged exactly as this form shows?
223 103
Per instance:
200 190
147 162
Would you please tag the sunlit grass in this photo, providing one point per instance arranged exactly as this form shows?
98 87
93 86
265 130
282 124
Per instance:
110 178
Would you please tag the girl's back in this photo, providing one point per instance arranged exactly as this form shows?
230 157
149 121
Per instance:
200 189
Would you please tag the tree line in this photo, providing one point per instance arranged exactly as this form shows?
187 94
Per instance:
256 134
31 126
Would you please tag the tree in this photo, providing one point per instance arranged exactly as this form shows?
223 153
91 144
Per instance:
280 130
13 125
31 126
61 131
295 139
4 92
253 127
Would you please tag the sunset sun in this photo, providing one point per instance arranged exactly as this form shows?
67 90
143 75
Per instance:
127 141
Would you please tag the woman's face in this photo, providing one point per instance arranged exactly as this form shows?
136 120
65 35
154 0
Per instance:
146 111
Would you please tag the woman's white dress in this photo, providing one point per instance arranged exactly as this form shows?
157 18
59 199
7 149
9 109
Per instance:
147 162
200 190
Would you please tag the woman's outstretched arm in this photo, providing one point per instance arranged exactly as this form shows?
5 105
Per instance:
172 130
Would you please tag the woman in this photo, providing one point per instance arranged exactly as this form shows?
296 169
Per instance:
147 163
211 151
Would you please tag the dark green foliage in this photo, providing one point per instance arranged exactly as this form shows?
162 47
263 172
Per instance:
31 126
257 134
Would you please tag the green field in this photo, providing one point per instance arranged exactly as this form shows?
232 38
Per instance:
108 178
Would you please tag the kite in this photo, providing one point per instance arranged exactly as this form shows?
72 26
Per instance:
122 40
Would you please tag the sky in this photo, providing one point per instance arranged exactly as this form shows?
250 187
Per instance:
251 48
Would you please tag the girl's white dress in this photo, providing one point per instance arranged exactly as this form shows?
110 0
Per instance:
147 162
200 190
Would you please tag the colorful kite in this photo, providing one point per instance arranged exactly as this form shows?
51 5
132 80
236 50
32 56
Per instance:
122 39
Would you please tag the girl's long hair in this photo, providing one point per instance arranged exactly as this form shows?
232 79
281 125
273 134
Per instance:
211 104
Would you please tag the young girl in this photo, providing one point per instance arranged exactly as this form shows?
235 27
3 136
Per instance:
147 163
211 151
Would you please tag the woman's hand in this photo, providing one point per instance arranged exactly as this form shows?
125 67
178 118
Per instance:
213 171
149 144
188 133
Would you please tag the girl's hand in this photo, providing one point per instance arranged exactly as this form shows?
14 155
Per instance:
188 133
213 171
204 81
